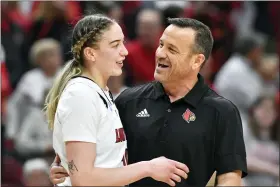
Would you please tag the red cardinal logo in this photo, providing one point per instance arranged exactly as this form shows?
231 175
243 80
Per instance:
188 116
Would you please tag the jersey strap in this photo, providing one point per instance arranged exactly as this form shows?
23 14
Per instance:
102 98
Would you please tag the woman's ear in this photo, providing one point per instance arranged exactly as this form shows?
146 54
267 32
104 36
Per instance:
89 54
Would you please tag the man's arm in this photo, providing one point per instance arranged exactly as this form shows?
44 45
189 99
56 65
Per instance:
230 179
230 154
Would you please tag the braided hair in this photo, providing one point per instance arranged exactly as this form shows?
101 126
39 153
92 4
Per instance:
87 33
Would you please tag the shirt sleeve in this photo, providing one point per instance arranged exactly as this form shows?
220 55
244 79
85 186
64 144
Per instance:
79 119
230 153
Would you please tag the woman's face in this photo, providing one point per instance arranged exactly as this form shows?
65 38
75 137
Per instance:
111 52
265 113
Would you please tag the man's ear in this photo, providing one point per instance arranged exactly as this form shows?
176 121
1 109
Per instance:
199 59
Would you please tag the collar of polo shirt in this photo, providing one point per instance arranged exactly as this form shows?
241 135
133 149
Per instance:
192 97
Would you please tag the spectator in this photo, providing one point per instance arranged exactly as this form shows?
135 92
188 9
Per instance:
46 55
6 88
238 80
165 4
13 28
140 60
34 138
111 9
5 93
261 143
50 21
217 16
269 71
115 12
172 11
130 11
72 9
15 15
35 173
274 13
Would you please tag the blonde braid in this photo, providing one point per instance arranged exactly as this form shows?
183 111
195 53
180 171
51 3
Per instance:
96 31
76 49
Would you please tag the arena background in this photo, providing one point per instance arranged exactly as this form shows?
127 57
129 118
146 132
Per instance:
35 44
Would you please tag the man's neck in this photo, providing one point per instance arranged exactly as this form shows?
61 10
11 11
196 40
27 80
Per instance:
178 89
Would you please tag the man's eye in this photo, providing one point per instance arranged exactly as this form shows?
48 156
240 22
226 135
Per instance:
172 50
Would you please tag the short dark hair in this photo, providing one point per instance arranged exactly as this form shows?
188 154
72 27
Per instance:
203 39
245 45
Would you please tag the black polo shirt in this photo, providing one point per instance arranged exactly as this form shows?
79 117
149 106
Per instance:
202 130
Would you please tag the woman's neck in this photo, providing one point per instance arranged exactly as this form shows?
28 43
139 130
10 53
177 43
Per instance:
115 84
97 77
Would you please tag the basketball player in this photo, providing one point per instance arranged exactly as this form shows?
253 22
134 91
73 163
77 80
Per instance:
88 134
178 116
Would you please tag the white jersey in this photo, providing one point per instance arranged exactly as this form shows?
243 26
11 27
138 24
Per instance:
82 115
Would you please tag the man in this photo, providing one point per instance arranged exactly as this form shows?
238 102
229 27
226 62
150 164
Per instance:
239 80
46 56
178 116
242 67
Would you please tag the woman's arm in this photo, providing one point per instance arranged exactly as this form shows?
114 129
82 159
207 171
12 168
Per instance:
81 157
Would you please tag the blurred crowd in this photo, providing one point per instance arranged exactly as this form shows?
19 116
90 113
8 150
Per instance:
35 45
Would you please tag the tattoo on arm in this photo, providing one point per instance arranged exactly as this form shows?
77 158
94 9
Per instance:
72 167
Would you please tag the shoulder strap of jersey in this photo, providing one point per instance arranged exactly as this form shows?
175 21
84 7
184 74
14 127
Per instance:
111 96
102 98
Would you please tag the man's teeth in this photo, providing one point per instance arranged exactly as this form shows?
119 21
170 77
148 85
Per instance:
163 65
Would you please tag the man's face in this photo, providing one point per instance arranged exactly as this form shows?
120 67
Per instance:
51 61
175 59
256 55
